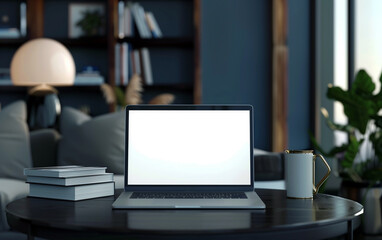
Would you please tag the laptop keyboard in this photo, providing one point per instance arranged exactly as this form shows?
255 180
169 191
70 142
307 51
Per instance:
189 195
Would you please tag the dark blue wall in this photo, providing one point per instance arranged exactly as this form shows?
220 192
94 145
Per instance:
299 74
236 58
236 50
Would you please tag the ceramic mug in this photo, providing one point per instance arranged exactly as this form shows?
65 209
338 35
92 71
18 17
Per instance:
300 173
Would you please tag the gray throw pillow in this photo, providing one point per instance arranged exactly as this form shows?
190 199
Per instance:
92 142
15 154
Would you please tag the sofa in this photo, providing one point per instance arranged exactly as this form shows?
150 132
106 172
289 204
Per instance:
81 140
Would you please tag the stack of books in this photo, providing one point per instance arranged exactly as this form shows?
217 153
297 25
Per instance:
130 14
89 76
129 61
69 182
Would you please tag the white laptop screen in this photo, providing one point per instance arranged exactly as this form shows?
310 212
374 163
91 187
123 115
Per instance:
189 147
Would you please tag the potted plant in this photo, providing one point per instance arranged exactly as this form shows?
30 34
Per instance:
91 23
360 174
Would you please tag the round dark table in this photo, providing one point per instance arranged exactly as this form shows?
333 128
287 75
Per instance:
323 217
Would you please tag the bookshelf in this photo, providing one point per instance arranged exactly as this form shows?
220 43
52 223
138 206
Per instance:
178 43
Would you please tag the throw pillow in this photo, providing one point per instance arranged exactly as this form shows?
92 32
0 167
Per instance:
92 142
15 154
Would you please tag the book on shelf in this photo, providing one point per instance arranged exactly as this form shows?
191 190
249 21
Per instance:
136 62
117 66
71 181
89 76
9 33
153 25
124 64
88 79
23 19
146 65
72 193
64 171
133 14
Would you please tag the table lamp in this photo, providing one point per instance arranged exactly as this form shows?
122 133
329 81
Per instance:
42 64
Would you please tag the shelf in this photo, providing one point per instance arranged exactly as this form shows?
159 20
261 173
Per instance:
11 88
169 87
15 42
159 42
91 42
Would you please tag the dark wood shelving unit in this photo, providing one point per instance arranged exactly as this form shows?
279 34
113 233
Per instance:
87 42
169 87
187 42
35 29
88 88
13 42
159 42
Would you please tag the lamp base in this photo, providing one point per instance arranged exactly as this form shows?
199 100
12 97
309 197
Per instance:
42 90
43 110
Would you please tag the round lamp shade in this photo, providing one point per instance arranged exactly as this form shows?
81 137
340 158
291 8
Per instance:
42 62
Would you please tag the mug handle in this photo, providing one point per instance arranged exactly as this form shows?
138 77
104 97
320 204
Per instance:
316 187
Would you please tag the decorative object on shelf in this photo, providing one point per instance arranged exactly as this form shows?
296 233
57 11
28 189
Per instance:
86 20
132 94
8 23
89 75
163 99
41 64
360 159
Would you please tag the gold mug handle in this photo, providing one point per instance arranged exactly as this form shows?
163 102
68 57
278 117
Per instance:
317 187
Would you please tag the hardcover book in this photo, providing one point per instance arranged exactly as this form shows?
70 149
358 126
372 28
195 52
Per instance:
72 193
71 181
64 171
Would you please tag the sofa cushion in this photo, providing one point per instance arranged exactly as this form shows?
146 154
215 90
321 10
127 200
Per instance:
10 190
92 142
15 152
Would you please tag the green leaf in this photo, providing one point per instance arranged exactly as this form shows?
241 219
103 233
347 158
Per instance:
374 174
357 109
351 152
363 85
316 145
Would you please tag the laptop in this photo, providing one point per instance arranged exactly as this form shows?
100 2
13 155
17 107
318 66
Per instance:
189 157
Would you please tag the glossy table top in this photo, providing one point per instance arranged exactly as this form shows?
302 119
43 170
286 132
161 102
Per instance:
96 215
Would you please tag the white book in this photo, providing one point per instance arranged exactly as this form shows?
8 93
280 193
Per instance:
70 181
142 18
23 19
6 82
64 171
128 24
140 21
72 193
124 64
88 80
121 21
147 71
153 25
117 65
137 62
9 33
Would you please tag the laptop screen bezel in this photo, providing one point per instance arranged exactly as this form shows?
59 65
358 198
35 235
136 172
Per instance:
249 187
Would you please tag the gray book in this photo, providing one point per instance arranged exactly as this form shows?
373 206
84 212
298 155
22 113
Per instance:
71 181
71 193
64 171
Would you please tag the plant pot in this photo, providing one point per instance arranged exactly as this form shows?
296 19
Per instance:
370 198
